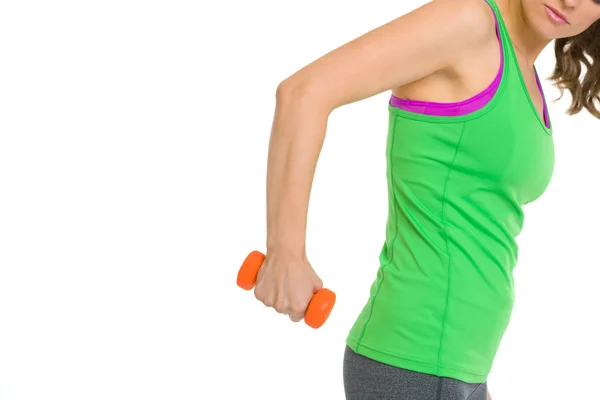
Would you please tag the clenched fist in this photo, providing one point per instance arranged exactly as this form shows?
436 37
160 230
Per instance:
286 283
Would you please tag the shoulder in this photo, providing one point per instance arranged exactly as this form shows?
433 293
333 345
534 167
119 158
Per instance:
473 19
463 31
466 28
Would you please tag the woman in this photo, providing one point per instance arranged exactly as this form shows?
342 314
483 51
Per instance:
469 143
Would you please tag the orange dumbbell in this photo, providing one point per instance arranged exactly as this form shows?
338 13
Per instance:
320 305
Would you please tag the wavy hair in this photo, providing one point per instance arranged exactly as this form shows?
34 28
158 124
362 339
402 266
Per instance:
572 53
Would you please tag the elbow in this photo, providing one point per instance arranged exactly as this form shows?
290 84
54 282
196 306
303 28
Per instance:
297 92
290 90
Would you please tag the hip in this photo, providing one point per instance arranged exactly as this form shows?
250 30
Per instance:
367 379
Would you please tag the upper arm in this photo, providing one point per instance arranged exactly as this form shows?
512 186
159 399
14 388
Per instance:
404 50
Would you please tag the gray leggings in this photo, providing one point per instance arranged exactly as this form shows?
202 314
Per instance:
366 379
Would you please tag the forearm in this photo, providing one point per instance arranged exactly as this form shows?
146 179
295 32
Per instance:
297 136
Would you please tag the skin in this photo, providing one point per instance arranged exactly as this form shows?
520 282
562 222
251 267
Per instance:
531 30
451 63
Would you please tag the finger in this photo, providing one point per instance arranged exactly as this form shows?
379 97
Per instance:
281 308
317 285
296 317
266 301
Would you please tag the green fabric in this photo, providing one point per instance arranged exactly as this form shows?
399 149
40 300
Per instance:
444 291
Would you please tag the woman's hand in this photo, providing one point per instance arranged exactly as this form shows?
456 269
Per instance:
286 283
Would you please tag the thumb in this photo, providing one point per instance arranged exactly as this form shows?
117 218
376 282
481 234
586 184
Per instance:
317 284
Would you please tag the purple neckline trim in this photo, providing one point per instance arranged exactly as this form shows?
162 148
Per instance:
466 106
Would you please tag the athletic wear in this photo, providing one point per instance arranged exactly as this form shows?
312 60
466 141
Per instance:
444 291
366 379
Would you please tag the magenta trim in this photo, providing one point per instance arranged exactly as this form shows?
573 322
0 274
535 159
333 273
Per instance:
545 111
466 106
458 108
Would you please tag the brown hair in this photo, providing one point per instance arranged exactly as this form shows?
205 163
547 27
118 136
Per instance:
571 53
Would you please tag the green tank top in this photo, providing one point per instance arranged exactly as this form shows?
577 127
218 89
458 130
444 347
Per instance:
444 291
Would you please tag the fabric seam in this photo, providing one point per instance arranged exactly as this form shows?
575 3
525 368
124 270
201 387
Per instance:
476 389
449 258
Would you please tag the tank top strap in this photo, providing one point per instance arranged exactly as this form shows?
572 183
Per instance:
501 30
514 70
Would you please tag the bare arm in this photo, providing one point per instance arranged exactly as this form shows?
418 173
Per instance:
424 41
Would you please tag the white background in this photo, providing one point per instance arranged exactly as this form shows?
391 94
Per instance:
133 146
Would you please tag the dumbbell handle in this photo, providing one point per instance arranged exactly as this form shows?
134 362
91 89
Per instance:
320 305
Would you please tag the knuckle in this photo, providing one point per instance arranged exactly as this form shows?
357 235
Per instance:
295 318
298 310
299 307
263 298
268 302
280 307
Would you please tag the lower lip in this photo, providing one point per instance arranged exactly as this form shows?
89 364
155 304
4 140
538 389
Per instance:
555 17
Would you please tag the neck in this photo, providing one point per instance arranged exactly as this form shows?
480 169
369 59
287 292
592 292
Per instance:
526 41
